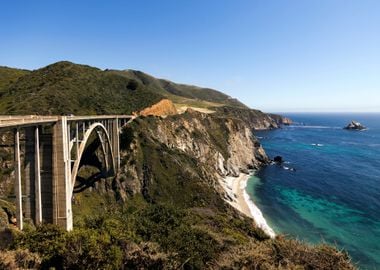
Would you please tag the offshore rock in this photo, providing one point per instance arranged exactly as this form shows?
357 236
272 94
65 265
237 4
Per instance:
354 125
278 159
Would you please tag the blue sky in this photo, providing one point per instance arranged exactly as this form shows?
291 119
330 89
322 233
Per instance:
274 55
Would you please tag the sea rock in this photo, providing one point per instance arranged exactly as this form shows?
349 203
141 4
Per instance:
278 159
354 126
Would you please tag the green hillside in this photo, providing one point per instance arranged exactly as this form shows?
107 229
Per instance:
64 87
10 75
182 93
68 88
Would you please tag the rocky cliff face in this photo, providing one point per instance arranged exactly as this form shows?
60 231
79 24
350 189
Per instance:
202 147
280 120
254 119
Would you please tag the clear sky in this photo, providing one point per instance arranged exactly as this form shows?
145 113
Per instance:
274 55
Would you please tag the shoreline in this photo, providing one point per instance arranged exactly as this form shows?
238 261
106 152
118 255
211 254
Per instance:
235 187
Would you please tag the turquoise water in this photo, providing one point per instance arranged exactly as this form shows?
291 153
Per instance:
333 195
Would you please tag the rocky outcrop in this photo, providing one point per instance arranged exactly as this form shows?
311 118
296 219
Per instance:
281 120
355 126
162 108
203 146
254 119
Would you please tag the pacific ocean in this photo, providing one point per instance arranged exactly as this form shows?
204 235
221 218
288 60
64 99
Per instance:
328 189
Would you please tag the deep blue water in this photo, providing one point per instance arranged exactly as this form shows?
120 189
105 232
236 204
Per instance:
334 194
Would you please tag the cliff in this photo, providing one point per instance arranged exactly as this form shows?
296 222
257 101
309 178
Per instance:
254 119
215 146
281 120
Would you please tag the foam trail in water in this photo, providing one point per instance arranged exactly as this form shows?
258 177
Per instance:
316 127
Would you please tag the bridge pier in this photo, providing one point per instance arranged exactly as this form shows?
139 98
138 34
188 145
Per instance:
115 138
29 174
62 191
18 186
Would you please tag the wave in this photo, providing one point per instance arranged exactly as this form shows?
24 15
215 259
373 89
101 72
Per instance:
317 144
256 213
317 127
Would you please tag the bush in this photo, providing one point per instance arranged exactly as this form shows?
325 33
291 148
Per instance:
47 240
19 259
91 249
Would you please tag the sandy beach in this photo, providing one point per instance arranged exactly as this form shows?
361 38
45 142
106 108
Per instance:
235 188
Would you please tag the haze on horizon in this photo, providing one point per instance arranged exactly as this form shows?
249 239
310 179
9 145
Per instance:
281 56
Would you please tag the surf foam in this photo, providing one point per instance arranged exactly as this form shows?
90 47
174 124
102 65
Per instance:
256 213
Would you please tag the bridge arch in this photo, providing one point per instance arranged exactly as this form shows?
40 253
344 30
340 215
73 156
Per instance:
96 128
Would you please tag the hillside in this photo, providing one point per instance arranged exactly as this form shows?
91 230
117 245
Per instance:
67 88
182 93
10 75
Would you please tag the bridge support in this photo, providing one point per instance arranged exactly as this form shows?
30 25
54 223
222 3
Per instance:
115 138
18 189
62 191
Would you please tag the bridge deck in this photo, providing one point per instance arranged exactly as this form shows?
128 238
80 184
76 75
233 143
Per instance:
12 121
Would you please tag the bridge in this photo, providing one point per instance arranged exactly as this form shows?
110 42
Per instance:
48 153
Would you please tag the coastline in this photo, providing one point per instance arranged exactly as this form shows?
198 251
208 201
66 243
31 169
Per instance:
237 197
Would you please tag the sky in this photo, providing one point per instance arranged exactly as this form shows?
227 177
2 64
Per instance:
273 55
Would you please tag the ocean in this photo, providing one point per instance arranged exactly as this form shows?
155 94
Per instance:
328 189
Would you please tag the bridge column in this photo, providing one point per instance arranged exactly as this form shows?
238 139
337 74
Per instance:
18 189
37 181
62 213
29 174
116 143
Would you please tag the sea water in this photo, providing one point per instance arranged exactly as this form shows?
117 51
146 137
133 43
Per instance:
328 189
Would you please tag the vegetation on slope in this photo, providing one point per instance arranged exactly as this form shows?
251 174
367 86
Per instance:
10 75
182 93
67 88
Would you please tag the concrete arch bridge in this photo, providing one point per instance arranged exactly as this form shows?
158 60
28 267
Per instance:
49 151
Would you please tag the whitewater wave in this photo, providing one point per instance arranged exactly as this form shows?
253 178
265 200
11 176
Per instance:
317 127
256 213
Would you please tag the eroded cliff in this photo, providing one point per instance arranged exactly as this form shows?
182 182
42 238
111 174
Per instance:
203 146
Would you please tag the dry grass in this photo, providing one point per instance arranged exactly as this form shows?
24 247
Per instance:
283 253
19 259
